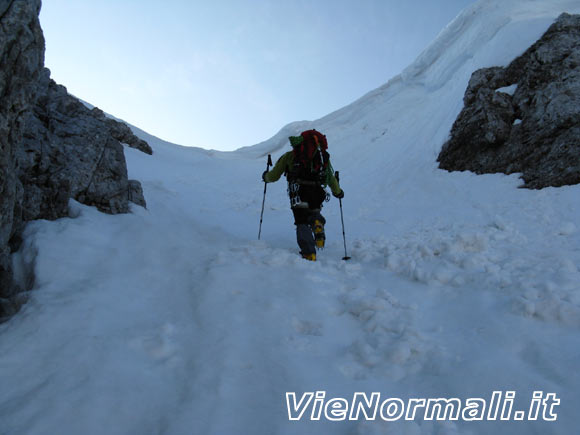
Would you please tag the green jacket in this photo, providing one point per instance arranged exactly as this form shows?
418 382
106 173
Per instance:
285 163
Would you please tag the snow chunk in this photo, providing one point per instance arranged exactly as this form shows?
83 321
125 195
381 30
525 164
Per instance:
495 257
510 90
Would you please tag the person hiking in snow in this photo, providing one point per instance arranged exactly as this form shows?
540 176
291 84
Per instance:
308 171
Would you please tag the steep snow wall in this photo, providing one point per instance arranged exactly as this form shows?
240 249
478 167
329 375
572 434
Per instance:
398 119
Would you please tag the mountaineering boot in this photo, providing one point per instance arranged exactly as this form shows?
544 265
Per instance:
310 257
319 236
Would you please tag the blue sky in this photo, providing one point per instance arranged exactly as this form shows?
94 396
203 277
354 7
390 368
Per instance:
231 73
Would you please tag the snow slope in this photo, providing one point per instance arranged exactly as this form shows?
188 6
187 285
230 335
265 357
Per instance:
176 320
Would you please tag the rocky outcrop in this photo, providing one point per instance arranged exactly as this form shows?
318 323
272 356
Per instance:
524 118
21 60
122 132
70 151
52 147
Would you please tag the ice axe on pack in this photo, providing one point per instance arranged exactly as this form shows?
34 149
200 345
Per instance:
264 199
346 257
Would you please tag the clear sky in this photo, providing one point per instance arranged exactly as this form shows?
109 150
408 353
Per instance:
229 73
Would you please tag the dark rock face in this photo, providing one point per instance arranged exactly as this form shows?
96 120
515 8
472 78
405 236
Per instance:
52 147
122 132
21 60
69 151
535 131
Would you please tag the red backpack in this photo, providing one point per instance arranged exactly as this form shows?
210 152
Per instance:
310 157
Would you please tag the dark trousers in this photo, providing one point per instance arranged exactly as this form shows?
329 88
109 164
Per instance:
304 217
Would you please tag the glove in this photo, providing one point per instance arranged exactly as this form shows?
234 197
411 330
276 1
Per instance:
264 176
339 195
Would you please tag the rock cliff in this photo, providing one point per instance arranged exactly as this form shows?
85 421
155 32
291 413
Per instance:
524 118
52 147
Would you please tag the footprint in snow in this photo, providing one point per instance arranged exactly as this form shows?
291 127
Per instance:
305 327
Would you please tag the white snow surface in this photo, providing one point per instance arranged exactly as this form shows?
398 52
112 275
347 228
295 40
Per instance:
175 320
510 90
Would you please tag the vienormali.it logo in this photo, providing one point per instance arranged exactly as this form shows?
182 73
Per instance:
315 406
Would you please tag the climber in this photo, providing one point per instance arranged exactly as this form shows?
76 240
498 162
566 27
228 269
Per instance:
308 171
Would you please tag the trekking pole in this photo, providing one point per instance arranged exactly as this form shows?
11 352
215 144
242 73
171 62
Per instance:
264 200
346 257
